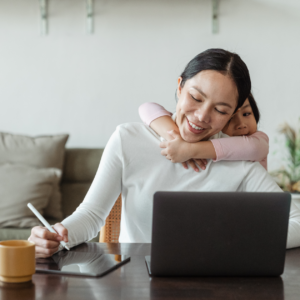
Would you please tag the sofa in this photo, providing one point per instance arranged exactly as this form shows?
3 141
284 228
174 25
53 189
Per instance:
80 166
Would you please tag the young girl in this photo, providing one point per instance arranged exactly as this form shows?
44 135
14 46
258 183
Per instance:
244 143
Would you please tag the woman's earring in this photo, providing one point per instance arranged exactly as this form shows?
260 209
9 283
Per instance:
176 98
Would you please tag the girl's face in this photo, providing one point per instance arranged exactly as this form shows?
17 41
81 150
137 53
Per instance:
206 103
242 123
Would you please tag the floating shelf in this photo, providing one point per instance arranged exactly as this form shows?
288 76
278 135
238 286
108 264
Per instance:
43 17
215 16
89 16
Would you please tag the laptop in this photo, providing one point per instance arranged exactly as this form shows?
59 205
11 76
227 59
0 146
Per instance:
218 234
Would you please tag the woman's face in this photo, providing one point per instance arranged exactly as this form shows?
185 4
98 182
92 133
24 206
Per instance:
205 104
242 123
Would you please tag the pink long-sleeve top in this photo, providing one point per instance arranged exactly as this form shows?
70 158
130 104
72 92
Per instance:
254 147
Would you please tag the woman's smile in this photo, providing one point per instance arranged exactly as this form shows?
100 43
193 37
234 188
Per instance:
194 128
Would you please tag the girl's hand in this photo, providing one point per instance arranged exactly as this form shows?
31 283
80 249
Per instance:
177 150
192 162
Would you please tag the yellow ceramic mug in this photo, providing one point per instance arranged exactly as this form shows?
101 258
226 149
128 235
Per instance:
17 261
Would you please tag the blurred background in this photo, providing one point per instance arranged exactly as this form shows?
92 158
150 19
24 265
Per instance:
69 81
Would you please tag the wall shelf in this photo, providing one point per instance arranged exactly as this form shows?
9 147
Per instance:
43 16
89 16
215 16
89 4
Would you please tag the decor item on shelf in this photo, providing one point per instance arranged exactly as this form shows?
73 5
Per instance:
288 177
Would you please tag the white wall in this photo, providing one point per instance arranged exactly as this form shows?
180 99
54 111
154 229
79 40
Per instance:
87 85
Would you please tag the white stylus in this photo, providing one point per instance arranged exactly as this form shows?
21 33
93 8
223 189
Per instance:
42 219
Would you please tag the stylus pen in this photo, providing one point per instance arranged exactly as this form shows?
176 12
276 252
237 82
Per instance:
42 219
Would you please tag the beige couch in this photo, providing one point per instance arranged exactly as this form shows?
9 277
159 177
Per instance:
80 167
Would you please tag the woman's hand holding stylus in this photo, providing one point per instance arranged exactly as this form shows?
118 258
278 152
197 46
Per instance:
46 242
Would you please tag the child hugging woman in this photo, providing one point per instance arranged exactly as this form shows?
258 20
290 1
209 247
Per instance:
244 142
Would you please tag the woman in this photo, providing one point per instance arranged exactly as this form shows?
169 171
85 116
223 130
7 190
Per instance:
132 163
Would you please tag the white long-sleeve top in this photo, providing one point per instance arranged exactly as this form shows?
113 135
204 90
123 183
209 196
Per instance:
132 165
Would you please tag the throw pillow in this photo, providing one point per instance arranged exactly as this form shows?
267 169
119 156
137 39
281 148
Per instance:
39 152
20 184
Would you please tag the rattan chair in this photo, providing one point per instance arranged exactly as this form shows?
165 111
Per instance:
110 232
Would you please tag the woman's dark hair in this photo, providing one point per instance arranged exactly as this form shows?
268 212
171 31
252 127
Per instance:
254 107
225 62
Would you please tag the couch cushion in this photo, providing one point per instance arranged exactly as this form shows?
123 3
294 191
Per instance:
81 164
39 152
21 184
14 234
72 195
20 233
23 234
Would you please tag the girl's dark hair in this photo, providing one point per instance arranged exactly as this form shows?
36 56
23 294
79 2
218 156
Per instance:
254 107
225 62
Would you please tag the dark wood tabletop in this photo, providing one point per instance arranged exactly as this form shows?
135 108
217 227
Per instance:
131 281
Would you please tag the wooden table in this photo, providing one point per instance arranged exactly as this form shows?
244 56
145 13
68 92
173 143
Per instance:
131 281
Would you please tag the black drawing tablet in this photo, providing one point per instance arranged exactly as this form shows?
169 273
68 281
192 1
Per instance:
86 260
